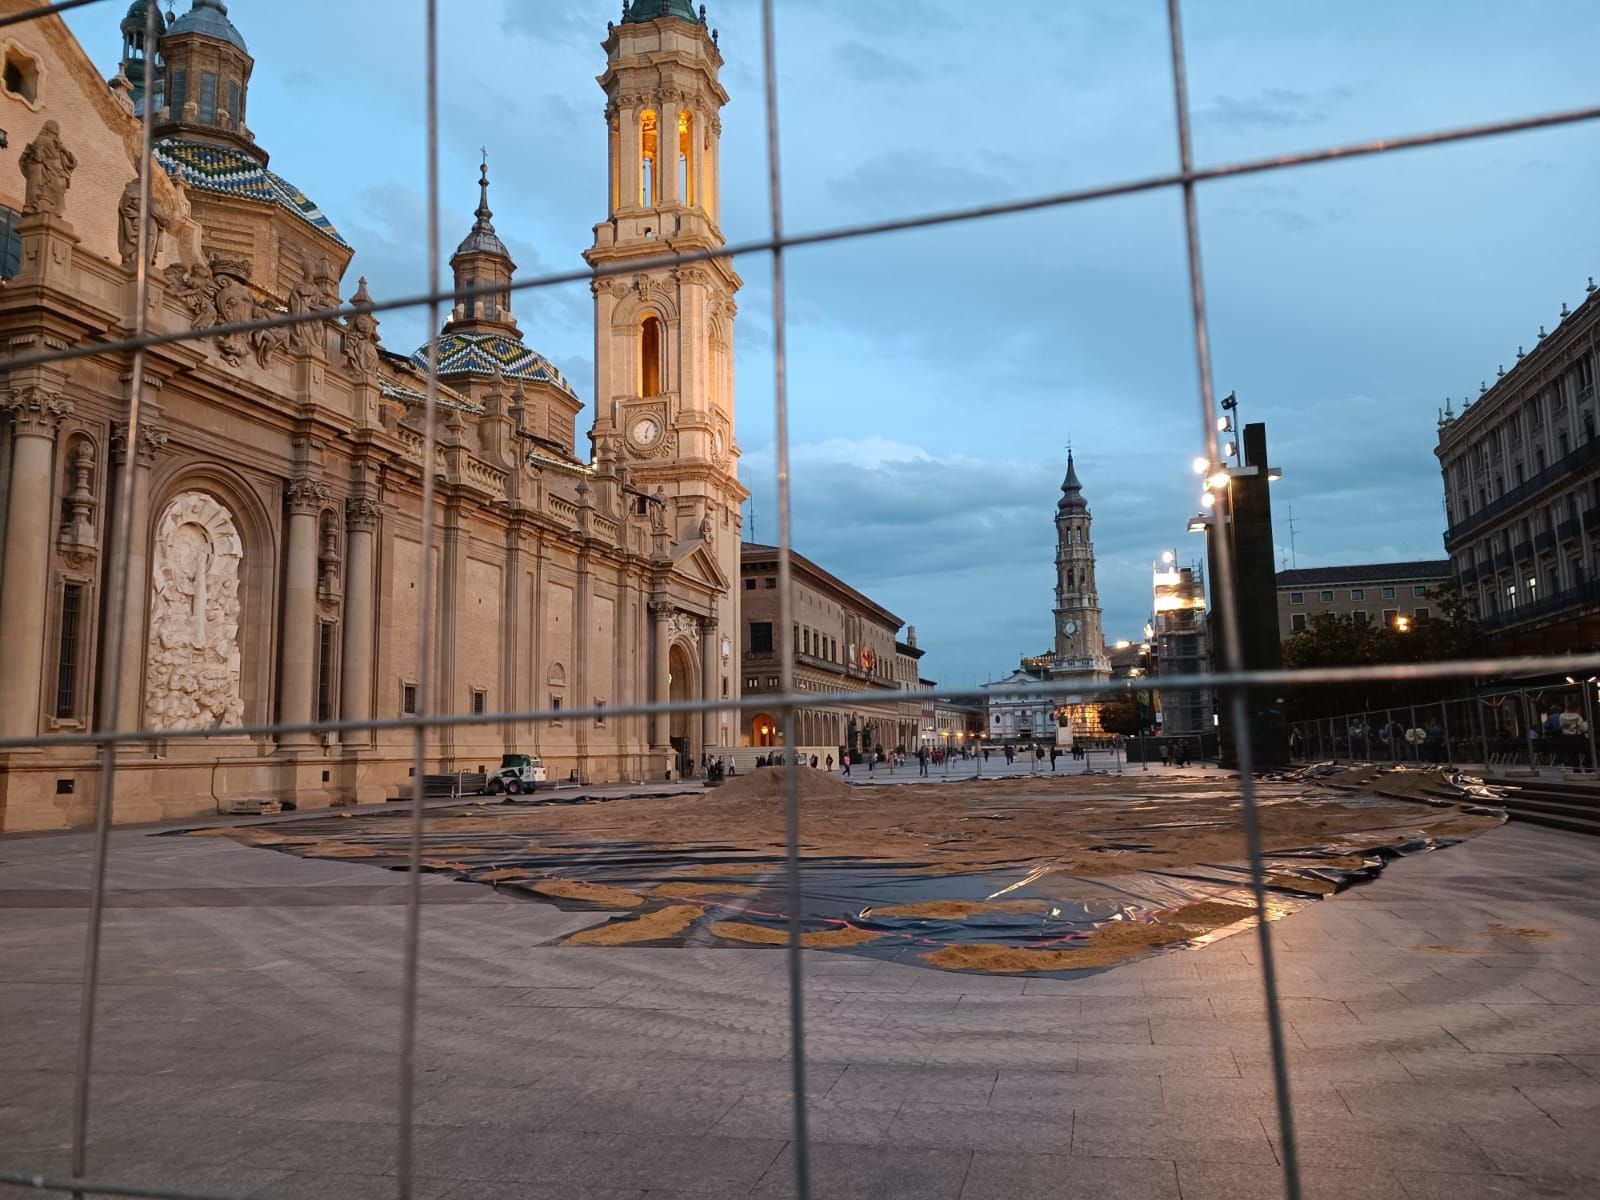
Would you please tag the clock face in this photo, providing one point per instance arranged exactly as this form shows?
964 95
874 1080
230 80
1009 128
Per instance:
646 432
1070 626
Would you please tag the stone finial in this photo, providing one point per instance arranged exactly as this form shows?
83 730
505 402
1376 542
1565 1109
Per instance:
1500 372
47 168
1482 387
1541 333
1565 312
1591 288
1519 353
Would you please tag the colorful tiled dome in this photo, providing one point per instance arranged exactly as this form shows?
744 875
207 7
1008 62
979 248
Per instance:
230 172
484 353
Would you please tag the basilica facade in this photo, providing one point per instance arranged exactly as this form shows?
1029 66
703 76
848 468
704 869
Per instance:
277 565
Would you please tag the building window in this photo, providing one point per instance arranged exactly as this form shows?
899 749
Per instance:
1327 597
480 702
749 585
408 699
686 156
235 117
1388 593
325 670
760 637
752 682
1297 597
805 641
1359 616
600 714
771 582
1419 589
1358 593
21 75
10 243
208 99
1422 616
1297 622
179 93
651 343
649 160
67 651
1389 615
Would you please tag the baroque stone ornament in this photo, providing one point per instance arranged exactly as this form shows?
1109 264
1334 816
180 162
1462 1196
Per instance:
361 336
152 440
304 495
36 411
360 512
192 677
77 540
304 298
128 212
684 625
47 168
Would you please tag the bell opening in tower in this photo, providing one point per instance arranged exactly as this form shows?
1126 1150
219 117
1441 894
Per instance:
649 147
650 348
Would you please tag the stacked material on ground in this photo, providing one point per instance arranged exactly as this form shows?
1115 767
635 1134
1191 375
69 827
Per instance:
1031 875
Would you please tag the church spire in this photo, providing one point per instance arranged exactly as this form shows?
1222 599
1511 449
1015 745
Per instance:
1071 488
482 260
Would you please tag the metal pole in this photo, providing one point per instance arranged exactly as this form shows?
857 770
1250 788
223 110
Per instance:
1416 747
1588 716
1483 731
1449 750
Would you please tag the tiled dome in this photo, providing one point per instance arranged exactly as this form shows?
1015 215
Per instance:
484 353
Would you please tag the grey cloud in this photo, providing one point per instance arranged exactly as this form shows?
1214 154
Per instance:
1272 108
870 65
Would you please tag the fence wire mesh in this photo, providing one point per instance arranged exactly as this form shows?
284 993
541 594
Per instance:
1501 731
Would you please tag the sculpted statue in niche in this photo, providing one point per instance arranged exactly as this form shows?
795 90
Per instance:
192 674
47 168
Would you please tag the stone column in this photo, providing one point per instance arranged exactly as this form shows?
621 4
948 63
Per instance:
709 689
661 687
304 499
36 415
135 644
361 517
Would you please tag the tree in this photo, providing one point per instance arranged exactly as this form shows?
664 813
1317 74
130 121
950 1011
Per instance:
1120 715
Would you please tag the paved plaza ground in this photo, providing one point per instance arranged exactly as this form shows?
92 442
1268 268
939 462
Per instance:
1444 1024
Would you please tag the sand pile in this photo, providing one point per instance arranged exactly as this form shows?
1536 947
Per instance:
767 783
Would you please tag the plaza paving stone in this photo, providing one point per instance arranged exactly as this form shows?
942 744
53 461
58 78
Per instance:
248 1026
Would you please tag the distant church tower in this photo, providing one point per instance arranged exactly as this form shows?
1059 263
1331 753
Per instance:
1080 643
664 337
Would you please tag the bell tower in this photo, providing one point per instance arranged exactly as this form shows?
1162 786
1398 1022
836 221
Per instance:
1080 641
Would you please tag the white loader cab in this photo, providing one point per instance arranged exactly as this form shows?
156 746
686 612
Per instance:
518 773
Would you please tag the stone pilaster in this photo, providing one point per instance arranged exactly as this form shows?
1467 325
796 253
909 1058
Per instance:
661 682
304 498
709 675
361 518
36 415
152 440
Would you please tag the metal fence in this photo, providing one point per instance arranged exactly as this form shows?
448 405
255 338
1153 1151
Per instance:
1186 179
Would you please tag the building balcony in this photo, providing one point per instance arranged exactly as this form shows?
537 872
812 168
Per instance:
1585 455
1584 595
1545 541
1522 552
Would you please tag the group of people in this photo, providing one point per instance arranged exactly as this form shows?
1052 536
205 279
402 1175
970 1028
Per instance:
1390 739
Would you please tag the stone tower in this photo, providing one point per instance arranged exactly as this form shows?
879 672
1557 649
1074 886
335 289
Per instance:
1080 643
664 337
663 393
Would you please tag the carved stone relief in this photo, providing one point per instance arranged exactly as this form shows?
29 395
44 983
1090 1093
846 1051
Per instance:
684 625
192 675
47 168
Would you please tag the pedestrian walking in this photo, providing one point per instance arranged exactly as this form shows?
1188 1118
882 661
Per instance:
846 761
830 764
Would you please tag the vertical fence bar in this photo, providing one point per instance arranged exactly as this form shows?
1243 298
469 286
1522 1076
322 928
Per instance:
117 586
1227 592
791 769
419 751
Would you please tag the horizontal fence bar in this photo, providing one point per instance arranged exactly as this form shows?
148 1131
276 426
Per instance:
1301 677
824 236
41 1183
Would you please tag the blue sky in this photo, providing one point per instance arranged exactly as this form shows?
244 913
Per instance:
937 376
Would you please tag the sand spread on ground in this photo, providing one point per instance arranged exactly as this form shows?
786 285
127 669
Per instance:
505 873
340 850
593 893
959 910
1526 932
694 891
1103 947
651 927
1310 884
742 931
1069 822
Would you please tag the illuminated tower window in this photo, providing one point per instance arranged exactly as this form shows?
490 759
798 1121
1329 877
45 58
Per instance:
650 345
686 155
649 164
616 163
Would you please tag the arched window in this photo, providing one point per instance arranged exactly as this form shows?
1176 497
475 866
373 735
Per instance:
649 160
686 155
650 357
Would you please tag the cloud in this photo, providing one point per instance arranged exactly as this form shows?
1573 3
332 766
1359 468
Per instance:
869 65
1272 108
